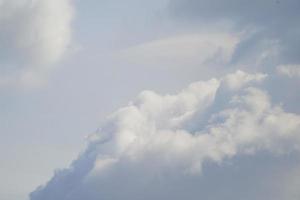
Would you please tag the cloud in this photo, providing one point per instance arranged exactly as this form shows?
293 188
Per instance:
159 146
269 28
33 35
289 70
183 50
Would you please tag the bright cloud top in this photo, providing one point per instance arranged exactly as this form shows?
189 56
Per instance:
159 137
33 35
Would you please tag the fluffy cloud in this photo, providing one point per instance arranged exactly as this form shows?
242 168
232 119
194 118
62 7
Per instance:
158 145
33 35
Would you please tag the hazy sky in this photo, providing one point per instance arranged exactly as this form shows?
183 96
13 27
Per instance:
204 96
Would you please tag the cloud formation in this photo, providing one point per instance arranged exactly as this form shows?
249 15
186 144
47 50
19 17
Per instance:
161 143
289 70
269 29
200 48
33 35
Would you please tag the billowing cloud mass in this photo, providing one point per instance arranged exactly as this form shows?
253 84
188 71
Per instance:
161 147
232 137
33 35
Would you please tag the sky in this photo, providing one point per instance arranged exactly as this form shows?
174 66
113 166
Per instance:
162 99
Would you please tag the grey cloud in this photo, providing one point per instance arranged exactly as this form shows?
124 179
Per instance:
271 24
289 70
243 12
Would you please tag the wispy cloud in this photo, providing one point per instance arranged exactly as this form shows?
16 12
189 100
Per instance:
289 70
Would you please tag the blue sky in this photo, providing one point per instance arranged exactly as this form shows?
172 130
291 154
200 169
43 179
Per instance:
66 65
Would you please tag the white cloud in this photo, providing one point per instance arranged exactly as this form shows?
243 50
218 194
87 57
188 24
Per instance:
164 139
33 35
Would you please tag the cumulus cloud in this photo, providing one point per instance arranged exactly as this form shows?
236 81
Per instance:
33 35
158 147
